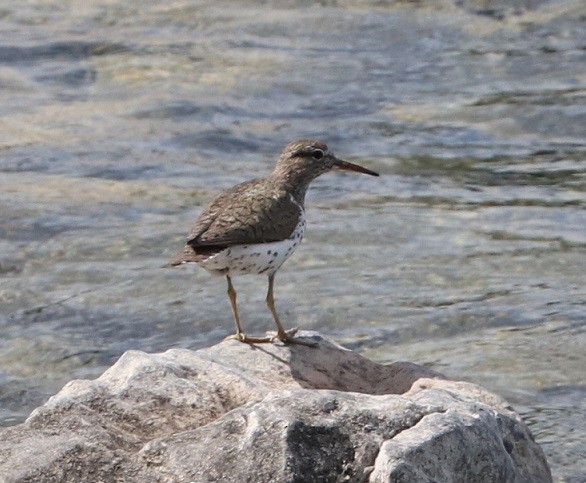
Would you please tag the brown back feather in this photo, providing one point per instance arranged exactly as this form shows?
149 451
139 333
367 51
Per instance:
256 211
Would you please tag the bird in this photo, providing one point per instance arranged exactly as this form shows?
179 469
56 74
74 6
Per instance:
253 227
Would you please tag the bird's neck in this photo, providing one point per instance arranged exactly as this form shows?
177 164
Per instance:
293 182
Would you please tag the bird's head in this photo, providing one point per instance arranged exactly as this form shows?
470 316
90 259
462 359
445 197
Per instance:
304 160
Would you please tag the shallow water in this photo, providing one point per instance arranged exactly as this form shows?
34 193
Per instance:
120 119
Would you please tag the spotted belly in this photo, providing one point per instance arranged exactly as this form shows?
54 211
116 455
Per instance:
254 259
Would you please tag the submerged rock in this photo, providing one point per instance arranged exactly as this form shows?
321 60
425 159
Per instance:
270 413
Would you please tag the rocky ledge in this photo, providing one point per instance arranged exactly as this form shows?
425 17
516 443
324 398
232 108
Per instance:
270 413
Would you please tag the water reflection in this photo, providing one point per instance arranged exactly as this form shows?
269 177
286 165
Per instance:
467 255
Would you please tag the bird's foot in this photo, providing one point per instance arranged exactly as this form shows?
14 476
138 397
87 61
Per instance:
242 337
288 337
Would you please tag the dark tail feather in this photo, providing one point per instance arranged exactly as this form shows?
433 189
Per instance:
186 256
189 255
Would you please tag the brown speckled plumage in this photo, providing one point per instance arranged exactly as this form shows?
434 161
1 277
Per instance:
256 211
232 234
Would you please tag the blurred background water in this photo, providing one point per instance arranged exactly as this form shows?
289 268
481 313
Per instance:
120 118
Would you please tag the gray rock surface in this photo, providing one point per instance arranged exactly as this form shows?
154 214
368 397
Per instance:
270 413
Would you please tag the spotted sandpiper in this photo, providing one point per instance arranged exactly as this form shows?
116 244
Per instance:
253 227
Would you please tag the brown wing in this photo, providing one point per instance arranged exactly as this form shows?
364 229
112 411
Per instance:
248 213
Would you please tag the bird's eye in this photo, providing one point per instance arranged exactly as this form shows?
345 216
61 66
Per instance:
317 154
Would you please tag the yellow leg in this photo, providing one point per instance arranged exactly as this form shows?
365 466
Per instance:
271 304
282 334
232 296
240 335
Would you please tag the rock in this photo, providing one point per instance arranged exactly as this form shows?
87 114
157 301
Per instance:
270 413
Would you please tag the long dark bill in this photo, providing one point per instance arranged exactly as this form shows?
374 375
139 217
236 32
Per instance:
346 166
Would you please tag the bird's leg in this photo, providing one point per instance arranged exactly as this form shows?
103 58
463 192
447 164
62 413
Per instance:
232 296
240 335
282 334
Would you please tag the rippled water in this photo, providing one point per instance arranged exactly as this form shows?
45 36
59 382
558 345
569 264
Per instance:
119 119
